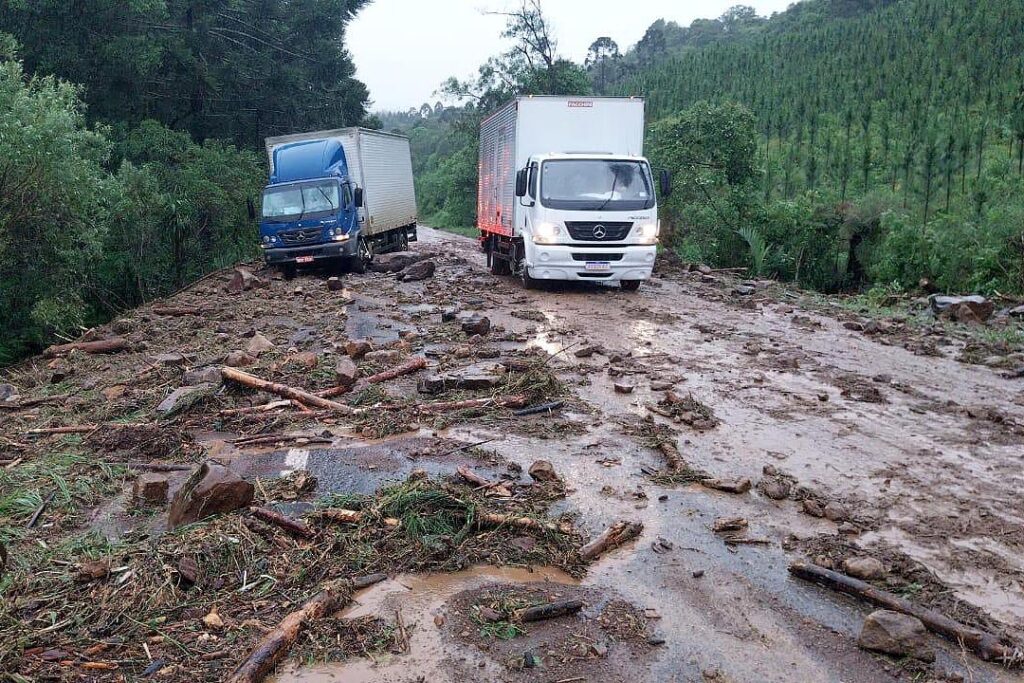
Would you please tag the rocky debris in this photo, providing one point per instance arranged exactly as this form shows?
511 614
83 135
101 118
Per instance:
476 325
183 397
207 375
543 471
472 378
587 351
345 372
384 357
661 385
835 512
623 388
242 280
686 410
258 345
813 508
965 309
775 488
723 524
866 568
239 359
854 325
896 634
212 489
150 488
92 570
744 290
357 348
396 261
169 359
306 359
421 270
8 394
335 284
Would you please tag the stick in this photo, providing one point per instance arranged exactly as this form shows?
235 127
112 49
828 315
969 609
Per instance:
451 406
672 455
474 478
273 405
47 431
112 345
340 516
983 644
34 402
538 409
39 510
610 538
279 438
275 645
253 382
292 526
549 611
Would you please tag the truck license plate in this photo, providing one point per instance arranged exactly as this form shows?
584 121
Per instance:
598 265
303 259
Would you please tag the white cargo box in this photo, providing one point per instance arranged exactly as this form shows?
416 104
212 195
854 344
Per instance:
381 164
529 126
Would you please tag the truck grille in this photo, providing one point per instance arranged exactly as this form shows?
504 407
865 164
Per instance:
304 236
597 257
598 232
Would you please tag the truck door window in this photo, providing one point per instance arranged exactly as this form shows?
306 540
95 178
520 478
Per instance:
532 185
347 195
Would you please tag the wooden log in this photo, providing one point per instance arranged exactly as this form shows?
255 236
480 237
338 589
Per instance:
280 438
473 478
292 526
273 647
112 345
491 519
251 410
76 429
414 364
610 538
985 645
245 379
550 610
672 455
40 509
473 403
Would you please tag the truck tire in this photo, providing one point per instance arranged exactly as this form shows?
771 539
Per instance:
364 255
629 285
403 241
529 282
499 266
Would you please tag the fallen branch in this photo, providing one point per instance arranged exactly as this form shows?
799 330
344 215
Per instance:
340 516
275 645
611 538
112 345
292 526
473 403
81 429
279 438
672 455
414 364
474 478
251 410
40 509
551 610
983 644
253 382
22 405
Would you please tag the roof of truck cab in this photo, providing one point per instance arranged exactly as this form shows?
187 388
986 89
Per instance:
589 155
309 159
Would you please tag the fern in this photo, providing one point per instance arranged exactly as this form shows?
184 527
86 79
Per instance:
759 248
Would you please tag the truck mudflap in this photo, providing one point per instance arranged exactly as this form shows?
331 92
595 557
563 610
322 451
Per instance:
311 253
633 262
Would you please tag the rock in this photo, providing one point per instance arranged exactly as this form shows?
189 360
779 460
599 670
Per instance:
92 570
150 489
477 325
835 512
385 357
587 351
744 290
449 315
490 616
211 490
208 375
345 372
117 391
183 397
740 486
306 359
867 568
813 508
599 650
532 660
896 634
242 280
188 571
927 286
472 378
875 327
623 388
966 315
542 470
239 359
776 489
979 306
524 543
8 393
661 385
418 271
357 348
334 284
854 325
258 345
1017 312
213 620
729 524
169 359
395 262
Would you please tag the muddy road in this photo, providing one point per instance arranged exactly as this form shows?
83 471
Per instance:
857 443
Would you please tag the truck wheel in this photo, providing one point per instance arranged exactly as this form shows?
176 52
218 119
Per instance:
364 255
403 241
630 285
499 266
528 281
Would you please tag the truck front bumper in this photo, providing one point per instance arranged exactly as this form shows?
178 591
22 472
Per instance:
319 252
560 262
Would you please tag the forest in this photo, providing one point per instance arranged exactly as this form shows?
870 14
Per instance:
841 144
131 139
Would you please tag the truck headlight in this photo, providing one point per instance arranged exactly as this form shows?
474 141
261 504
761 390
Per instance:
266 239
341 237
546 233
647 232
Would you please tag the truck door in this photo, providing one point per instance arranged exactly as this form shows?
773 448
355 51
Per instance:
349 216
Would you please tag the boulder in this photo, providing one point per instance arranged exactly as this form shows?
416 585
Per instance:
979 306
345 372
8 393
242 280
543 471
239 359
866 568
208 375
211 490
395 262
357 348
183 397
258 345
420 270
474 377
896 634
477 324
150 489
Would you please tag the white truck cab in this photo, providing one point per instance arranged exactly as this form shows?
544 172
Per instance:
554 206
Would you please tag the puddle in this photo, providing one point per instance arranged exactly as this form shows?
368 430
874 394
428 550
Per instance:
419 598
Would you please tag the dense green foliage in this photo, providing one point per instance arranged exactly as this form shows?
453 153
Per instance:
883 140
120 180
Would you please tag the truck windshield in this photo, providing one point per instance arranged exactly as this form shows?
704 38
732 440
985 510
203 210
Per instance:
596 185
292 201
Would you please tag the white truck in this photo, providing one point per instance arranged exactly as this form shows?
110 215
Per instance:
337 195
565 192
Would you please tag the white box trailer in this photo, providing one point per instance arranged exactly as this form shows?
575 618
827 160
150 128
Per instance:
565 193
381 164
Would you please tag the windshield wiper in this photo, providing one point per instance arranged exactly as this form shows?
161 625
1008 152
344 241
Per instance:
321 190
302 196
611 195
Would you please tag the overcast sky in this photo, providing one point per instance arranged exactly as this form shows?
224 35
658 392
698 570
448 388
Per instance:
404 49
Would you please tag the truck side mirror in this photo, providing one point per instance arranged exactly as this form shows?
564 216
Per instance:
358 197
665 181
522 181
252 209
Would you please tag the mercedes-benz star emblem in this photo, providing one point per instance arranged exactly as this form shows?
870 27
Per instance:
600 232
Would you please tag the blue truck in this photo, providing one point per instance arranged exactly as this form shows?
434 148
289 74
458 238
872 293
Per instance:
337 198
